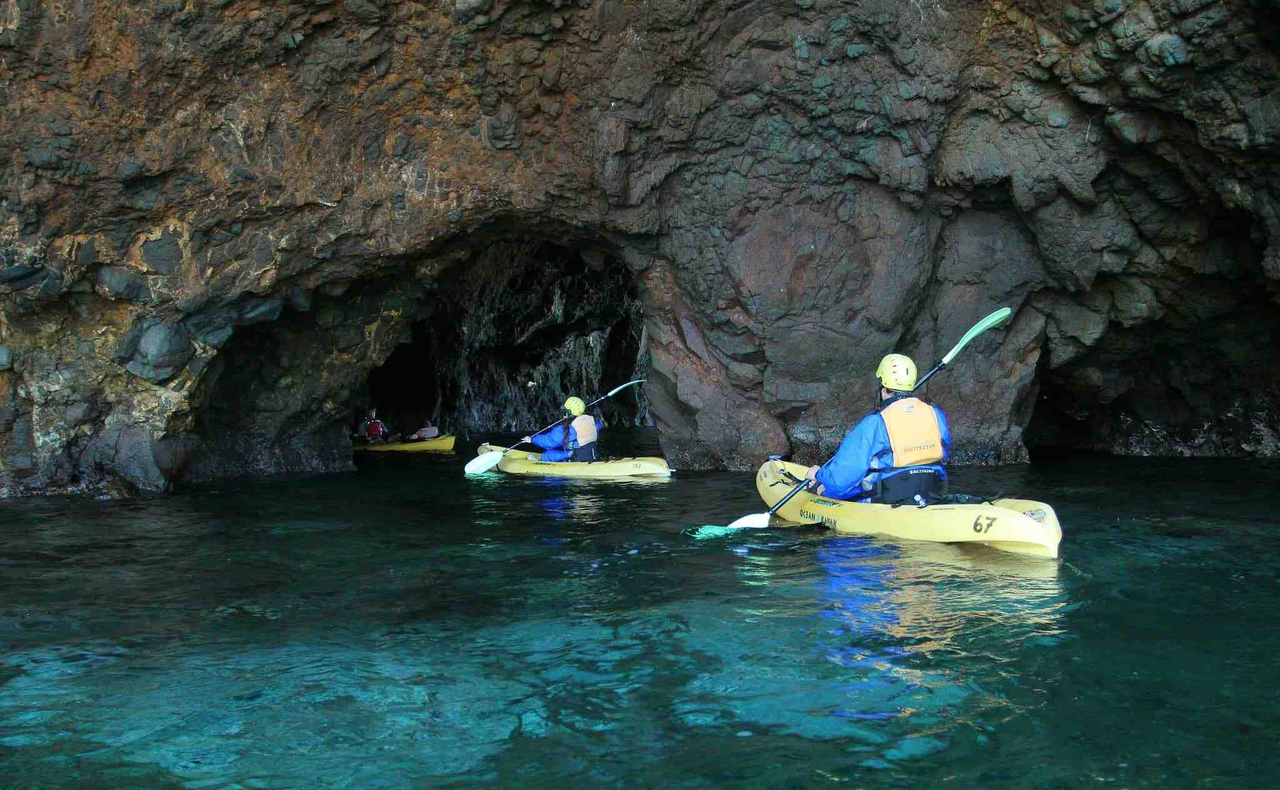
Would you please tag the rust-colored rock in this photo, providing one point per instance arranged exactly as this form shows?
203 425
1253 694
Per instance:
217 219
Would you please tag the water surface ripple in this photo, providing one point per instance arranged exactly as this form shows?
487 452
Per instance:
404 627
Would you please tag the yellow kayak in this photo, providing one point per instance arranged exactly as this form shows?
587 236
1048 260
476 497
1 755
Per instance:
519 462
1020 526
440 444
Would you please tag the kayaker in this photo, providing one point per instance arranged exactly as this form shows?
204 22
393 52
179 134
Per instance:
427 431
360 429
373 430
896 453
571 439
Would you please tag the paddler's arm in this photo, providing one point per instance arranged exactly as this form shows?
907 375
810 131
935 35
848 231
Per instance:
548 440
841 477
945 429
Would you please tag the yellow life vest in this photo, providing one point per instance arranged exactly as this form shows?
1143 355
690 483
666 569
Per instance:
914 435
585 425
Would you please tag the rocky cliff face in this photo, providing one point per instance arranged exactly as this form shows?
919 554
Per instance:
227 227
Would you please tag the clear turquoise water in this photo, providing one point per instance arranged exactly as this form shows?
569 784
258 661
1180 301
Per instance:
405 627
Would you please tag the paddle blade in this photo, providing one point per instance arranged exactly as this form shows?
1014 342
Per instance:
616 390
977 329
613 391
483 462
753 521
708 531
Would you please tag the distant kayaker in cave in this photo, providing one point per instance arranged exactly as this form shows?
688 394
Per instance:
896 453
427 431
571 439
375 431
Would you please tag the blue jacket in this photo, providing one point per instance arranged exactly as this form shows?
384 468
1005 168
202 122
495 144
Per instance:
553 444
865 456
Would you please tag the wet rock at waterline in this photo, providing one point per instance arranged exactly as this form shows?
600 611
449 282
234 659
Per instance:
229 232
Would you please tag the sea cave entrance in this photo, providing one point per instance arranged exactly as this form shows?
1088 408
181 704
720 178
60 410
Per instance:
1193 384
490 336
504 336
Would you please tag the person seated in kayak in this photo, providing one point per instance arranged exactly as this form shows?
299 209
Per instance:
427 431
571 439
375 431
896 453
359 433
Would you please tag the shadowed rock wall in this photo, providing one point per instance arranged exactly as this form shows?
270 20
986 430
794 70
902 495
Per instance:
188 194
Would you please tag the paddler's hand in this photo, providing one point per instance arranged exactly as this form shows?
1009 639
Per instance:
526 440
812 484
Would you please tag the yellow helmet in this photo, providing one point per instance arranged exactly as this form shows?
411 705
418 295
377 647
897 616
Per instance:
575 406
897 372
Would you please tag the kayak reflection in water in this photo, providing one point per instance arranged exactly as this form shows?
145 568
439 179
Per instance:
561 507
896 453
858 585
571 439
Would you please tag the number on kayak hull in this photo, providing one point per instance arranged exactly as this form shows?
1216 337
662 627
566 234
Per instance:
984 524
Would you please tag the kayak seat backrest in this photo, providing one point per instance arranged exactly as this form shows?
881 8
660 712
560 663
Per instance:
904 487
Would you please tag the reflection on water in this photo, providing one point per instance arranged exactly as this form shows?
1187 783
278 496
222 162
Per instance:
896 635
409 627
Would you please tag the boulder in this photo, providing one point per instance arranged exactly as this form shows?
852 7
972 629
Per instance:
162 351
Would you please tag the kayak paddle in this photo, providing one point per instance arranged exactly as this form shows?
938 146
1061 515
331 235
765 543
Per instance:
486 461
977 329
761 520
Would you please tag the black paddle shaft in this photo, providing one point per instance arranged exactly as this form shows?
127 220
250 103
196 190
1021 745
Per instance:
927 376
787 498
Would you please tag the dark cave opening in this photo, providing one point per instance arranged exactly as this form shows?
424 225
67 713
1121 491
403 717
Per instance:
406 388
499 341
1193 379
267 401
491 337
1165 389
242 380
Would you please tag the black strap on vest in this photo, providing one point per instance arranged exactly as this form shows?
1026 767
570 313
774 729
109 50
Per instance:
893 398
